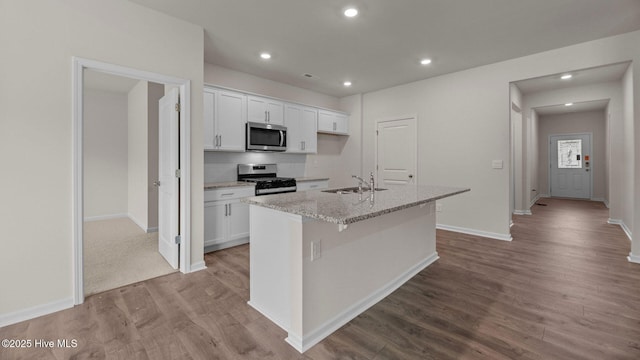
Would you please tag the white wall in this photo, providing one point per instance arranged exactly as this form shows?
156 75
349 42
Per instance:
221 76
518 149
339 157
137 150
36 129
616 187
143 154
463 124
105 154
155 92
579 122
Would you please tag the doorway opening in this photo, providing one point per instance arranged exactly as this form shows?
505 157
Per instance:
175 154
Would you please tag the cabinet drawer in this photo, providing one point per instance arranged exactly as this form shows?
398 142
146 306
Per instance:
229 193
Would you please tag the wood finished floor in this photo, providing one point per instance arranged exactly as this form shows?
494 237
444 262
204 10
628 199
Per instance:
562 289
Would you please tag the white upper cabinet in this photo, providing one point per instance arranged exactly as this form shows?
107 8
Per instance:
301 123
333 122
265 110
225 117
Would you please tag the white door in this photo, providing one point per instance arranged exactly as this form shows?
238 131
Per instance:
570 166
168 215
396 152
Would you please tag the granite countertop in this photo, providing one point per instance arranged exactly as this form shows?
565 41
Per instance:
303 179
220 185
344 209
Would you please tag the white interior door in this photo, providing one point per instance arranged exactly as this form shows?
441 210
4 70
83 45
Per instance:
397 151
168 213
570 166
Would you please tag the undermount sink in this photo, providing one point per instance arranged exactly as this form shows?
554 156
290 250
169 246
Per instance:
349 190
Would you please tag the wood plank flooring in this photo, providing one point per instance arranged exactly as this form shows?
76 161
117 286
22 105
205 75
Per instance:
562 289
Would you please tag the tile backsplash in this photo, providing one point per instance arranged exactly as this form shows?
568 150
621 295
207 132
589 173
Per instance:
223 166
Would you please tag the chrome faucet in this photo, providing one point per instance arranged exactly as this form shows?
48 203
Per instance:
361 181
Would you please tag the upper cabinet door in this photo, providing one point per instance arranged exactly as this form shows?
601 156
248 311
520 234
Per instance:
333 123
293 122
310 130
301 122
265 110
209 119
230 121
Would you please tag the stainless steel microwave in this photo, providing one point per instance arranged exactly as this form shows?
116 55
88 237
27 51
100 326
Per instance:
266 137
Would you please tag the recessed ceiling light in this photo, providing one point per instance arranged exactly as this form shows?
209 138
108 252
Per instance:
265 56
566 77
425 61
568 104
347 83
351 12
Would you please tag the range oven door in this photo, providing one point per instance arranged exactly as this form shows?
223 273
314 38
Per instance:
266 137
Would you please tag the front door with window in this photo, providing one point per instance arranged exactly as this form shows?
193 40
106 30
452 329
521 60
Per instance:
570 166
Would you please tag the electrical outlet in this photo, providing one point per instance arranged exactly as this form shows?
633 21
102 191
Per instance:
438 207
316 250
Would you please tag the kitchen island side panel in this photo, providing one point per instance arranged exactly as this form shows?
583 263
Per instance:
361 265
352 269
274 237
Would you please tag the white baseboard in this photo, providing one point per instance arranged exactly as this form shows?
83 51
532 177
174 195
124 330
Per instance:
522 212
487 234
597 199
197 266
315 336
533 202
606 203
34 312
138 222
624 227
105 217
633 258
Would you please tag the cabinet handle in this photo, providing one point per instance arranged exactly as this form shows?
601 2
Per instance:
266 117
334 126
229 209
227 194
226 212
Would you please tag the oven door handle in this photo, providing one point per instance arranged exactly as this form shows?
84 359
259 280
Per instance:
281 137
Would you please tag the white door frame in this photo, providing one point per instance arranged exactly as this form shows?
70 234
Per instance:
590 135
78 67
413 117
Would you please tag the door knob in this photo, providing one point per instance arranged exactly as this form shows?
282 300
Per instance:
156 183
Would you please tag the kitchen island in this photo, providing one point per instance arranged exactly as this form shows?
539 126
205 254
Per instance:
319 259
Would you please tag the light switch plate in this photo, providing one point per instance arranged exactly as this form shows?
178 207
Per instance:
497 164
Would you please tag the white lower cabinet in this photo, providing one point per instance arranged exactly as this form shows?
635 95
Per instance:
226 219
312 185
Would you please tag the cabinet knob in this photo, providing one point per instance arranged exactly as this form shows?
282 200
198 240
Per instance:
410 176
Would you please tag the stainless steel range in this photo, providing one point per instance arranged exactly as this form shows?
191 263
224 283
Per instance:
266 178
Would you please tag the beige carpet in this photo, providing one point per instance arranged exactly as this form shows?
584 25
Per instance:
117 252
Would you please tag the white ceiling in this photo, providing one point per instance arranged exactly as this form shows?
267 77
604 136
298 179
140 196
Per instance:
383 45
582 77
595 105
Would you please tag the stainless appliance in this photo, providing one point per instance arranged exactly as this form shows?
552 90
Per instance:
266 137
266 179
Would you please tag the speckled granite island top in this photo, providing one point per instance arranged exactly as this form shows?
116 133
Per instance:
347 209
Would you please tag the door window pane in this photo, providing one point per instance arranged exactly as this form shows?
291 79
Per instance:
570 154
